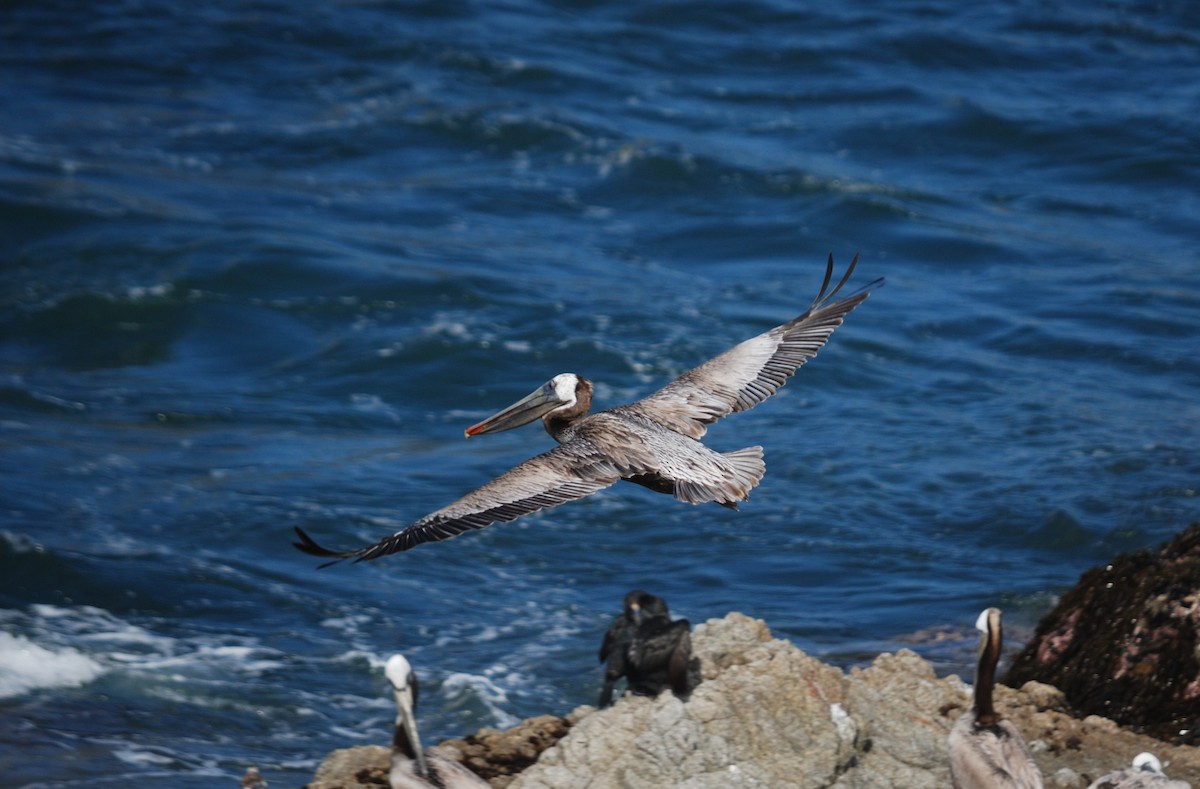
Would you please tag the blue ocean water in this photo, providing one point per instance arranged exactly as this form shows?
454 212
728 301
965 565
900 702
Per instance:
262 262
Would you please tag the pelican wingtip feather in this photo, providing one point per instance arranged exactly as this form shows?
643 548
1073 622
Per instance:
825 296
313 548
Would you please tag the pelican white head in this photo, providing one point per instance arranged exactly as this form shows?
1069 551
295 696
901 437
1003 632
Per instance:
564 386
398 671
1148 762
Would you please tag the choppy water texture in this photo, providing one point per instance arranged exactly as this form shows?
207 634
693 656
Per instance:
262 262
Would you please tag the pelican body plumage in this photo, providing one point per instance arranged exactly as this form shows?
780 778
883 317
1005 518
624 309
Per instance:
654 442
1145 773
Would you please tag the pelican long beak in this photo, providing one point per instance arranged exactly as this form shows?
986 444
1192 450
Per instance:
407 722
537 403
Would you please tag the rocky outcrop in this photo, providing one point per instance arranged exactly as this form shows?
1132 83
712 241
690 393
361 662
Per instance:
768 715
353 768
499 755
493 754
740 727
1123 642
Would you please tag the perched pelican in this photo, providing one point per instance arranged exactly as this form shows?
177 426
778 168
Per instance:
653 442
987 752
412 767
1146 773
253 779
648 649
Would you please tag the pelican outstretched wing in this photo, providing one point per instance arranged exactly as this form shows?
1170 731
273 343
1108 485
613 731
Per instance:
752 371
565 473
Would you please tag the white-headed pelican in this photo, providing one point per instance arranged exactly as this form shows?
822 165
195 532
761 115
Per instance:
654 442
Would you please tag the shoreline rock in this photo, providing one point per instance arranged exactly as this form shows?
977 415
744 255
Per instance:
769 715
1124 642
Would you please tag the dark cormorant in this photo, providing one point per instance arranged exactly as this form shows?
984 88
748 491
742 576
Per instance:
648 649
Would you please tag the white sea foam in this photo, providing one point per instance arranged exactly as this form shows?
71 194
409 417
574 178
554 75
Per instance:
25 666
491 695
459 327
518 346
353 655
229 659
63 646
488 633
20 543
142 757
374 404
348 625
138 292
97 626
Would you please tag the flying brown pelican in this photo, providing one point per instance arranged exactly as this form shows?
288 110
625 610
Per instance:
1146 773
412 767
987 752
650 650
653 442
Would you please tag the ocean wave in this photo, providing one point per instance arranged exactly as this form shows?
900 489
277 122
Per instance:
67 646
461 689
27 666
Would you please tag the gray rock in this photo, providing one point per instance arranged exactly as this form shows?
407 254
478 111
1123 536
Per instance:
768 715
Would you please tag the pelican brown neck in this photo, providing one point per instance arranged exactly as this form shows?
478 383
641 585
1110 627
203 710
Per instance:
985 673
403 742
558 421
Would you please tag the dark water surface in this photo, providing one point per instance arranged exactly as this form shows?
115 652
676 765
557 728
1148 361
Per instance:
262 262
